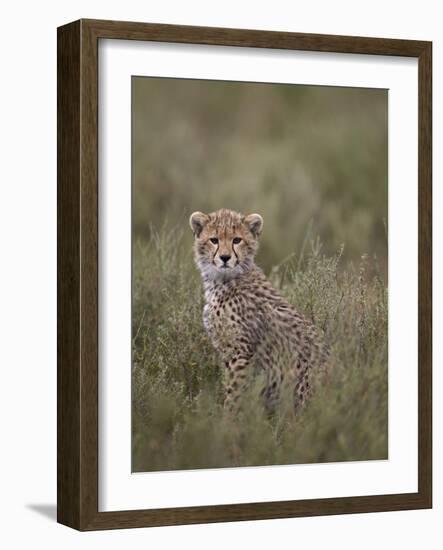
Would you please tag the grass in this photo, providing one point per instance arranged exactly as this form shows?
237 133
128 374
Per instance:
178 418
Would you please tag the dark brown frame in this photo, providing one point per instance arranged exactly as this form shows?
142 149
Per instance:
77 452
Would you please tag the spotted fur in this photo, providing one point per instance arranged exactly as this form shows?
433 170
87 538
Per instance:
252 327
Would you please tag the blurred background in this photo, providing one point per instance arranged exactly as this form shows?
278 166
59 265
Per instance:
312 160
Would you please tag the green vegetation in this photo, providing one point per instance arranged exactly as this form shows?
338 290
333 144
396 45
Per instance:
313 162
178 419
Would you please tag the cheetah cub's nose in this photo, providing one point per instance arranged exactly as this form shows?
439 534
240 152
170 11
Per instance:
225 258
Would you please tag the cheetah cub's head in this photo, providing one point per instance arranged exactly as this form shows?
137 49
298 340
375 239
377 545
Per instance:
225 242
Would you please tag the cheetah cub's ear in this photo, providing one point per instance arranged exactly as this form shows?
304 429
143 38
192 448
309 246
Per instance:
255 224
197 221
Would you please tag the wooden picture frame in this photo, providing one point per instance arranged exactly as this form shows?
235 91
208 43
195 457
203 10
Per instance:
77 455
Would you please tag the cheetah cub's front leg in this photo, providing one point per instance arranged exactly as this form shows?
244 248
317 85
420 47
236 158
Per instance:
237 378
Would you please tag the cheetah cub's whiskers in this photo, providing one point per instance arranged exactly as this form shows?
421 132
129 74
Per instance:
250 325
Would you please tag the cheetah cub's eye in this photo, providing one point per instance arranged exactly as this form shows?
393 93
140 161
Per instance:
236 240
214 240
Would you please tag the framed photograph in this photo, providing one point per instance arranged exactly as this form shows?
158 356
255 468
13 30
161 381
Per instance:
231 206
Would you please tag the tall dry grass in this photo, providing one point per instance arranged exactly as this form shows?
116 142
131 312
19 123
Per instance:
178 419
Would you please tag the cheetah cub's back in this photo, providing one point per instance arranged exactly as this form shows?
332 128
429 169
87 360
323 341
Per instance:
250 325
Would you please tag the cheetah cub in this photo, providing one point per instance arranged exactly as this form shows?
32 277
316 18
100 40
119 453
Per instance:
251 326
